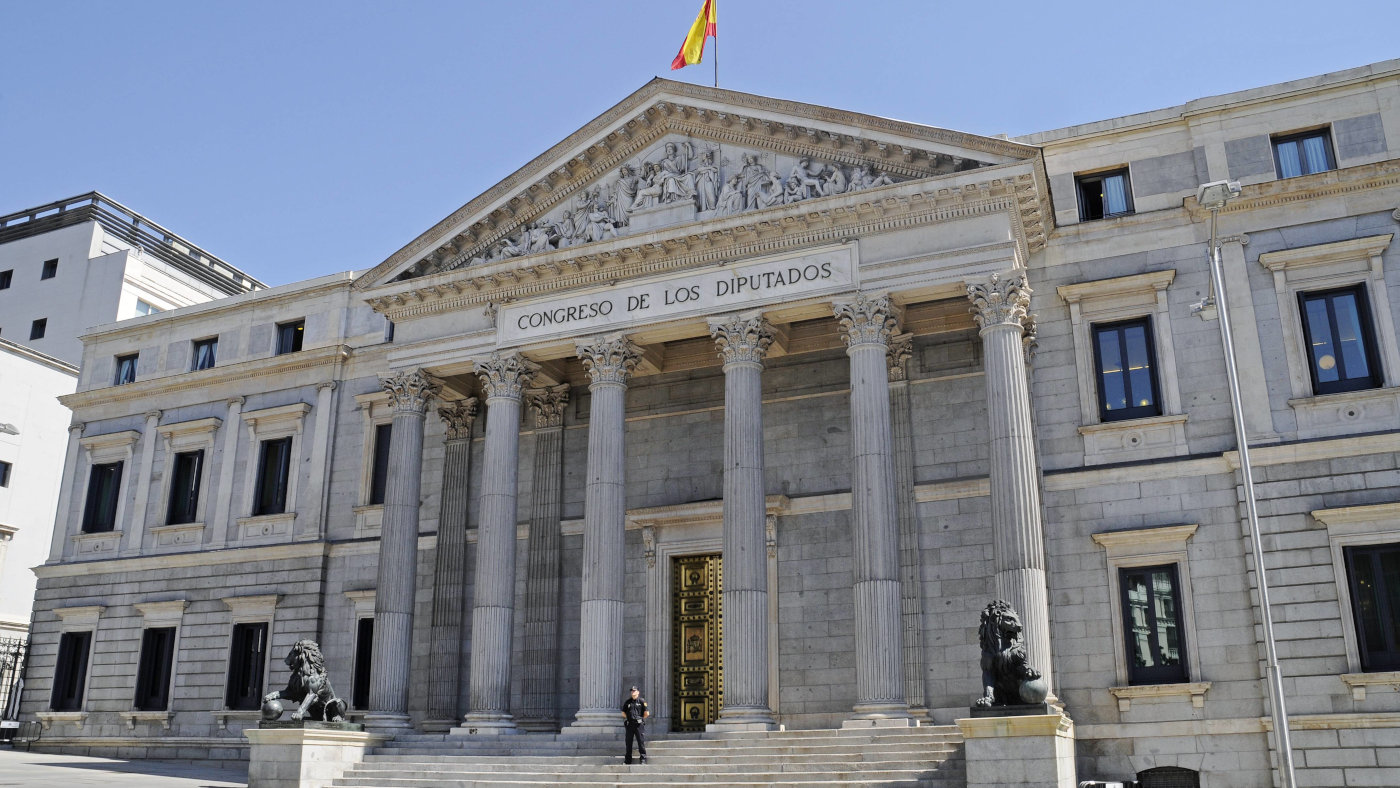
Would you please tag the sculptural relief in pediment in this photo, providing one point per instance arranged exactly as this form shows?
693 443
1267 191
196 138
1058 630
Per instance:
681 180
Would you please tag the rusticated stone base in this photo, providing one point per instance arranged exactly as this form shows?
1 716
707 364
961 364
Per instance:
310 756
1028 751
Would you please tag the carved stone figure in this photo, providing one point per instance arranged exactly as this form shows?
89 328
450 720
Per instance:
769 192
650 192
707 183
599 223
802 182
833 181
863 177
309 686
539 238
1006 678
624 194
753 177
673 173
731 198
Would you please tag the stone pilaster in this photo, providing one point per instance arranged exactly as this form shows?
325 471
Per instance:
136 530
867 323
398 552
63 519
503 377
449 671
910 594
742 342
610 361
540 700
312 522
999 306
222 516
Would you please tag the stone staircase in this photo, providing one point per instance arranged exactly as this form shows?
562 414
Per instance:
926 757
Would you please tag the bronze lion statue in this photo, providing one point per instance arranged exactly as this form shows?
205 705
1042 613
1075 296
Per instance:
1007 680
309 686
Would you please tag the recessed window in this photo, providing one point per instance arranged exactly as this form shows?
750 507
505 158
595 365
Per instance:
274 467
364 656
38 327
1103 195
204 353
70 673
6 277
246 661
126 370
144 308
50 269
1303 154
1341 345
153 670
289 336
379 476
1127 375
388 330
1374 574
5 473
184 487
104 487
1152 624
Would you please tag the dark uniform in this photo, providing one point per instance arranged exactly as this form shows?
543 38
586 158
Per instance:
635 712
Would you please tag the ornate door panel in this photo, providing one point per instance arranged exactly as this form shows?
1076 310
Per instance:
697 672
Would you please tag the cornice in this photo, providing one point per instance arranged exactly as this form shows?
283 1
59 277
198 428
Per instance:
816 221
1323 254
1332 183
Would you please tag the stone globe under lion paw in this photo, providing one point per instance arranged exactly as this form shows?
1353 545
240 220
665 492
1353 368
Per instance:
1034 691
272 710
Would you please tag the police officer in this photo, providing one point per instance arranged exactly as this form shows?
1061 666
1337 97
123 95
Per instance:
634 715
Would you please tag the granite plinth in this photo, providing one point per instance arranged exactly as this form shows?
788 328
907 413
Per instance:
1014 710
313 725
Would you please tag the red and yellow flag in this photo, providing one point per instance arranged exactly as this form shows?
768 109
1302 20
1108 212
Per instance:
694 47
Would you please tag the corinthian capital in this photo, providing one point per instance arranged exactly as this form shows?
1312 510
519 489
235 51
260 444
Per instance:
548 405
867 320
742 340
411 390
609 359
459 417
897 355
1000 302
506 375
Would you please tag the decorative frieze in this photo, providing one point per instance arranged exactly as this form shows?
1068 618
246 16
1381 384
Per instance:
458 418
742 340
506 375
867 320
609 359
411 390
548 405
1000 300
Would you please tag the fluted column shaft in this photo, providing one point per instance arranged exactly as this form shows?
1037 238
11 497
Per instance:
742 342
398 552
540 698
449 574
610 361
867 324
910 586
493 605
999 307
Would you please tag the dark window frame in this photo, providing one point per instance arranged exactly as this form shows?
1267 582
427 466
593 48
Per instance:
271 498
70 671
379 462
100 516
50 269
290 336
247 665
1136 411
5 469
1375 378
7 278
155 669
1156 674
1091 208
38 328
1298 137
183 504
126 369
1383 656
364 659
195 362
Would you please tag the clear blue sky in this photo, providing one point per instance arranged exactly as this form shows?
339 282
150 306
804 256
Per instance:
295 139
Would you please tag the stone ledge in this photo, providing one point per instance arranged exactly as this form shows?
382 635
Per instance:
1134 439
1196 690
133 717
1359 682
224 717
48 718
1059 725
1329 415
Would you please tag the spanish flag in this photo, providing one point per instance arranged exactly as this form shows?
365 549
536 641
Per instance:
694 47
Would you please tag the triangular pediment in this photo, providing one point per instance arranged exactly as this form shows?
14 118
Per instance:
673 154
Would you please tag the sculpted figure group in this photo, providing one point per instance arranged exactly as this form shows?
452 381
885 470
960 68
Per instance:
681 175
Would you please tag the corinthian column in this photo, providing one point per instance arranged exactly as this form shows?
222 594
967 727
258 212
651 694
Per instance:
609 361
742 343
539 707
493 612
447 677
867 322
999 306
398 552
911 597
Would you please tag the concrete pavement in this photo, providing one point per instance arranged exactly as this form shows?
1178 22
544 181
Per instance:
20 769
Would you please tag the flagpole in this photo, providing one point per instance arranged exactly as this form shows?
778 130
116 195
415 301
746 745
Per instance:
716 61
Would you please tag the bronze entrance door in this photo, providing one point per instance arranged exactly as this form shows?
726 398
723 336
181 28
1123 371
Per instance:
697 672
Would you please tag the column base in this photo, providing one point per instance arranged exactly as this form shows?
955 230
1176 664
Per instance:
1035 750
438 726
486 723
743 719
388 722
880 715
594 723
537 725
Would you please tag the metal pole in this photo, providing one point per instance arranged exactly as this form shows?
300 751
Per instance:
1273 677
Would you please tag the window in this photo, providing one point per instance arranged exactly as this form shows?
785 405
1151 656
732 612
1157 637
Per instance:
184 487
144 308
1303 154
289 336
246 661
126 370
104 485
1374 574
50 269
388 330
5 278
1127 376
153 671
38 327
5 473
1152 624
1341 350
364 655
70 674
273 470
204 352
1104 195
379 478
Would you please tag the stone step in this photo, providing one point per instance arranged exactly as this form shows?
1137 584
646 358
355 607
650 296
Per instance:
933 782
656 748
594 764
643 776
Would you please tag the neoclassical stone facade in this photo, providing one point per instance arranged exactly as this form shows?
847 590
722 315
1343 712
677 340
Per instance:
877 373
